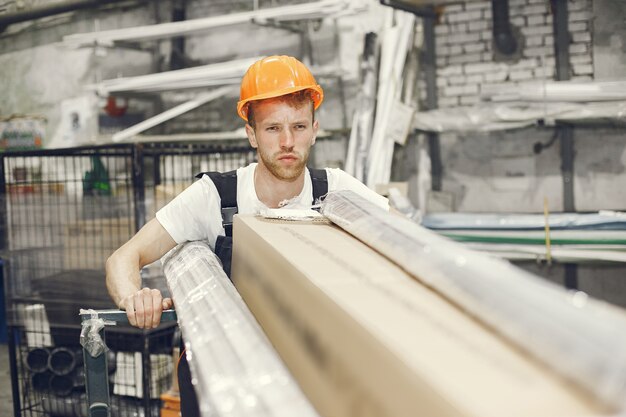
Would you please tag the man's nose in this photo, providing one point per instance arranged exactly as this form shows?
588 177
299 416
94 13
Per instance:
287 139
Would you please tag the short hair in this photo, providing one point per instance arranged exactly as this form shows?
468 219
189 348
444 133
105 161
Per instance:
297 99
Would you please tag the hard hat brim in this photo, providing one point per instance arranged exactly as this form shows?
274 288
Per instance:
317 96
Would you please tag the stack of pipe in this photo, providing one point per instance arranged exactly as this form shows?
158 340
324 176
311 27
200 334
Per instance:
59 370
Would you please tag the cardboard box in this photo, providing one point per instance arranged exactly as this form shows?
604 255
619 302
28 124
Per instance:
363 338
88 243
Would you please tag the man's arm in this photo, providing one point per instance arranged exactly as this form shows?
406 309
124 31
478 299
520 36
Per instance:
143 306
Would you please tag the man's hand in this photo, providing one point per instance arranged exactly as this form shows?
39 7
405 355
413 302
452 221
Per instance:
144 308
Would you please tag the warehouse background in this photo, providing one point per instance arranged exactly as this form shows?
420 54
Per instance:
491 172
44 79
496 172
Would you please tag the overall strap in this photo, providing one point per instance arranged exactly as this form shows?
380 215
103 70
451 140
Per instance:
320 183
226 184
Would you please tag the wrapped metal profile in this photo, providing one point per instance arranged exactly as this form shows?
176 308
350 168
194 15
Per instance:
37 359
63 361
64 385
41 380
236 371
582 339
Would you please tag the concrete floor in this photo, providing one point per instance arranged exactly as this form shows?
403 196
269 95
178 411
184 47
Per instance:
6 399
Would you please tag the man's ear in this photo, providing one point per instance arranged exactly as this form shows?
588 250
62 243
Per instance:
251 136
316 126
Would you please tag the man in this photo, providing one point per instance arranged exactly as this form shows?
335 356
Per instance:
279 97
278 100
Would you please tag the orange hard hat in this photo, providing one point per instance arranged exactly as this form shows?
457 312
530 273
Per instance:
276 76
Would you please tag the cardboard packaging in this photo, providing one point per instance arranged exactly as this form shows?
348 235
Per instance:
363 338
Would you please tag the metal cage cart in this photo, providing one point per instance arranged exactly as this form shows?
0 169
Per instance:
62 213
99 362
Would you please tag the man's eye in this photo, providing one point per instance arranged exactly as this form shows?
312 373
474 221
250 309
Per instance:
300 127
272 129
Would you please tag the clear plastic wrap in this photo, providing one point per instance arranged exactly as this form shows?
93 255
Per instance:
490 117
603 220
582 339
90 333
236 371
558 91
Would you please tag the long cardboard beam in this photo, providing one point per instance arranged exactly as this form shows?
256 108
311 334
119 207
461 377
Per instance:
582 339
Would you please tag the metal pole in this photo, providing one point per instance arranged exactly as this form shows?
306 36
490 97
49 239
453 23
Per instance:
146 372
139 192
429 63
566 133
15 387
562 62
97 383
4 222
177 56
567 166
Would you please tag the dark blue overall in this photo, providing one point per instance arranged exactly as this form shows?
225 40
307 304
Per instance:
226 184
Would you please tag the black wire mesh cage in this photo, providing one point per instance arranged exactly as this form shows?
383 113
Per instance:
62 213
51 377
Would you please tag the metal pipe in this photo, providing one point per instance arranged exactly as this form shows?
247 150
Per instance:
566 133
4 225
563 68
138 186
97 384
63 361
503 37
146 371
177 55
63 385
40 381
37 359
49 10
429 63
15 388
561 39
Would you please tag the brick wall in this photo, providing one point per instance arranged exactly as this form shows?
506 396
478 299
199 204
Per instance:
465 58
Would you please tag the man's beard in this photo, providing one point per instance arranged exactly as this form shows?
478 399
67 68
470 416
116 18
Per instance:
280 171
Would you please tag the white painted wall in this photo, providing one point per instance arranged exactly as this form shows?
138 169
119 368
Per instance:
609 39
38 72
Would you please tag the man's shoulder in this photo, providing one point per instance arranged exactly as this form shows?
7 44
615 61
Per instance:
338 174
332 171
219 175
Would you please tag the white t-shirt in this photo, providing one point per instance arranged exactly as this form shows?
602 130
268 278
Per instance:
196 214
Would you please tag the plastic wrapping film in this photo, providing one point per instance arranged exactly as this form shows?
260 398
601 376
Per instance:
490 117
90 337
236 371
574 237
582 339
558 91
603 220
